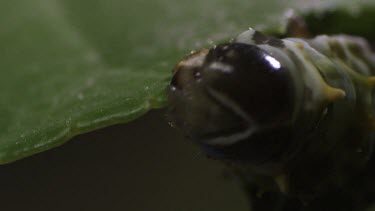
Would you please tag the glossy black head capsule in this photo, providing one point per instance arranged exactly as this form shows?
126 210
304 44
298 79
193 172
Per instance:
232 99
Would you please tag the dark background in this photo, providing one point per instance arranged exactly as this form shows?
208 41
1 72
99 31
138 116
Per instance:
143 165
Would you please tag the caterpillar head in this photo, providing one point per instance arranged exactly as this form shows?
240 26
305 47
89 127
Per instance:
235 100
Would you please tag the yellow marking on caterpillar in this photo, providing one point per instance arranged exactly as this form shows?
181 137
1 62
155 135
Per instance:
333 94
282 182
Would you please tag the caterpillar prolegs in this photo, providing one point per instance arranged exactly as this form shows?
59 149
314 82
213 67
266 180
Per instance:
291 115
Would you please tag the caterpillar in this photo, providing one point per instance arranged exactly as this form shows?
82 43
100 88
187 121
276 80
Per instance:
291 115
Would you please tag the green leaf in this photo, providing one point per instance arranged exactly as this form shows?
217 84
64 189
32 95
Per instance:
72 66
